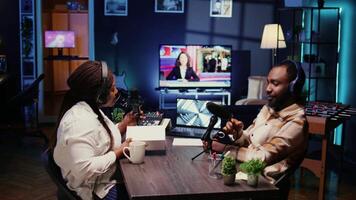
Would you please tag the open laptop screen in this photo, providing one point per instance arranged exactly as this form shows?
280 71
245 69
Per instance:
192 112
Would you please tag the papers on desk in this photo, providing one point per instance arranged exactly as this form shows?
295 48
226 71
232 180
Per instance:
187 142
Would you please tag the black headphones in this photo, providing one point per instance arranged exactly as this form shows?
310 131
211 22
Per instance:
296 85
103 91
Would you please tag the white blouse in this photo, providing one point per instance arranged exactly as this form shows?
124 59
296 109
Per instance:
82 151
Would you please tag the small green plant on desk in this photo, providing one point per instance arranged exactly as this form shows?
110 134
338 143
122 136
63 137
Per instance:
228 170
253 168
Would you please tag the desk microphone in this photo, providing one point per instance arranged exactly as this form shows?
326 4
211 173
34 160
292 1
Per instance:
206 136
219 111
223 113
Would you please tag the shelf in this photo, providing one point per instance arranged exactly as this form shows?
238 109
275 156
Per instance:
27 59
65 58
315 77
313 43
29 77
319 39
307 8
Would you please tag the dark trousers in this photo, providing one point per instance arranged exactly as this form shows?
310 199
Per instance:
118 192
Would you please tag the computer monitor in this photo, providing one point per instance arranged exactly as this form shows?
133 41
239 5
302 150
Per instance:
211 63
193 112
60 40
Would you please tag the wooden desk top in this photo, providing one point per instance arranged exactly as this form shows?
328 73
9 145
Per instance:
176 176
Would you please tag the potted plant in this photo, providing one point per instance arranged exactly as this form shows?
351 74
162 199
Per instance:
253 168
228 170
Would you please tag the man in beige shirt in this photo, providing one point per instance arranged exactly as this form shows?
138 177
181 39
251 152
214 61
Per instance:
278 135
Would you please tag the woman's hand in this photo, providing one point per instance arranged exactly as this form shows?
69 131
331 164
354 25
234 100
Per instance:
119 151
130 119
234 127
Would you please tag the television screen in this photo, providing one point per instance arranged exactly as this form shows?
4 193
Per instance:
207 66
59 39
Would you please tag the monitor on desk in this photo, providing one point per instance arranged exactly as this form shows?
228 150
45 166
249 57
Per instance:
211 63
193 113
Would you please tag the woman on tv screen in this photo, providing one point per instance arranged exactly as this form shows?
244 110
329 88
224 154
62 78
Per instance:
183 69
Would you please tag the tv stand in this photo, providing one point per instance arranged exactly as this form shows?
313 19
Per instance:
66 57
195 92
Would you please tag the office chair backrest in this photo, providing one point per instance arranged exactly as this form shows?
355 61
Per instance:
55 173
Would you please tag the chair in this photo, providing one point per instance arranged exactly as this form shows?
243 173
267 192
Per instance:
25 104
283 182
256 94
55 173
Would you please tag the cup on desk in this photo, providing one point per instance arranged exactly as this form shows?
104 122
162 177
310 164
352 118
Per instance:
137 152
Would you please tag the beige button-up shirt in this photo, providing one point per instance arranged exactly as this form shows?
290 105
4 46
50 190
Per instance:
83 151
278 138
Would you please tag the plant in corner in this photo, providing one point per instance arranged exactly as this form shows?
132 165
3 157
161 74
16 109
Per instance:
228 170
253 168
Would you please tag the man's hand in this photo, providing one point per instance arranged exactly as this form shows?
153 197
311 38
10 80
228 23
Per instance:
234 127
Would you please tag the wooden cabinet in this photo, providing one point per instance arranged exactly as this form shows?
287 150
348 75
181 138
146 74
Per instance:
58 69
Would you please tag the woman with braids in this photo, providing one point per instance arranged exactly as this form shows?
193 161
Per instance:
88 143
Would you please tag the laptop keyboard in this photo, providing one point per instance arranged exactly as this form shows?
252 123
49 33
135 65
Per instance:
188 132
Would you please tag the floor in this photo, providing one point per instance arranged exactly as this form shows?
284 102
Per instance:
23 176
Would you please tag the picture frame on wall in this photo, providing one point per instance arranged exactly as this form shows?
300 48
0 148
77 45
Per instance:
220 8
169 6
115 8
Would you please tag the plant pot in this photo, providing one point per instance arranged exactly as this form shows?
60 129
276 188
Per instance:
229 179
252 179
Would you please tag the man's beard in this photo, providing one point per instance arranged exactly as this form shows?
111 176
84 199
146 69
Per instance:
280 102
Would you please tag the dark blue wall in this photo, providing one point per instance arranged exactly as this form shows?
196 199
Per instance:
9 34
141 32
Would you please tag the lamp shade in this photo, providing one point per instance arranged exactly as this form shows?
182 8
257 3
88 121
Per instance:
269 37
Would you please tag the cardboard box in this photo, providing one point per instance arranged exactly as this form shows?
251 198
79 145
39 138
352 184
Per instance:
154 136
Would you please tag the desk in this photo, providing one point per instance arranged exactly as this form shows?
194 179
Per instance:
176 176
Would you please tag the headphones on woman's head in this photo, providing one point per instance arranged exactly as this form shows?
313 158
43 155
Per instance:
103 92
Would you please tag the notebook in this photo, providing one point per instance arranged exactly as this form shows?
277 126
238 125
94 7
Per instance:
192 118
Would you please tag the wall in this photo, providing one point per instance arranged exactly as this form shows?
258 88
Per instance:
141 32
9 33
347 71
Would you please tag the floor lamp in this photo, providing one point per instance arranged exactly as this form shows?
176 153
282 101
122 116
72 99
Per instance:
273 38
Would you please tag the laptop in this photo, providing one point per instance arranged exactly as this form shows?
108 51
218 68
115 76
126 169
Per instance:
192 118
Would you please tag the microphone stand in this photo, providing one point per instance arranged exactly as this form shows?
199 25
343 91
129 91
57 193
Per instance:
206 137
